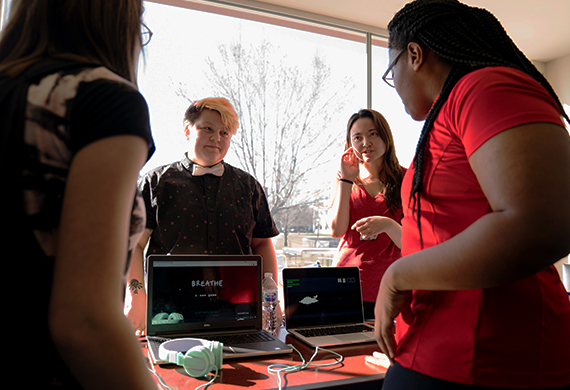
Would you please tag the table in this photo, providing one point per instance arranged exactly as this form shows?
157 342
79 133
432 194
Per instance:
251 373
322 242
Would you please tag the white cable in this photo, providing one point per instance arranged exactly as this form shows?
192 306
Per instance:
211 380
287 368
159 379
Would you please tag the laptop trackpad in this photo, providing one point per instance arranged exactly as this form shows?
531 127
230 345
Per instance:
352 337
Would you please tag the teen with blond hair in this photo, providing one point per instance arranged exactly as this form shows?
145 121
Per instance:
201 204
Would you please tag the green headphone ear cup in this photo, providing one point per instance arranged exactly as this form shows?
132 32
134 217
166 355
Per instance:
198 361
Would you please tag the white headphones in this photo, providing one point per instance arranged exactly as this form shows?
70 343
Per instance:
197 356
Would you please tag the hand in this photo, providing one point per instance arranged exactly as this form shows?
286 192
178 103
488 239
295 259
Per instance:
349 165
389 303
372 226
378 359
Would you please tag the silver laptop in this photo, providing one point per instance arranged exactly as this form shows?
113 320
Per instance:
212 297
323 306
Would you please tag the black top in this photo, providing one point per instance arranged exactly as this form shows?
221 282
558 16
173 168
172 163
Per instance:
204 214
66 109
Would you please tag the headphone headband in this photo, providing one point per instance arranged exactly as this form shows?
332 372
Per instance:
204 355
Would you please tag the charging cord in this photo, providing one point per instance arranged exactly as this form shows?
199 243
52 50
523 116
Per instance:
287 368
273 368
211 380
162 383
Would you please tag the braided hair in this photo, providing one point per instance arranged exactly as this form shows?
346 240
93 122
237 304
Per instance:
468 38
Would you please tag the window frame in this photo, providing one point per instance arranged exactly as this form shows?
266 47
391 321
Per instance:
296 19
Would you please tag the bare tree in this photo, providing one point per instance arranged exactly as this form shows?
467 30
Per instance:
284 114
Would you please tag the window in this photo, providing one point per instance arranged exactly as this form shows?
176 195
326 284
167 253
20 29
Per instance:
386 100
4 11
567 109
303 79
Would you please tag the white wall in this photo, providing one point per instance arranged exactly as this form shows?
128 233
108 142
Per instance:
558 75
557 72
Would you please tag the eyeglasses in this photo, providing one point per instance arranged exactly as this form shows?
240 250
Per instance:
146 35
390 80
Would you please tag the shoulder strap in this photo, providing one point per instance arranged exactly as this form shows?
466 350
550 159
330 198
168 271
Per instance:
13 94
12 107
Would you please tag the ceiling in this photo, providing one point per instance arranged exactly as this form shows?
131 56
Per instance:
540 28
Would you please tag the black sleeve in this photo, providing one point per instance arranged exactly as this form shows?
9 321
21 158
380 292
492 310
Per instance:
104 108
146 190
265 225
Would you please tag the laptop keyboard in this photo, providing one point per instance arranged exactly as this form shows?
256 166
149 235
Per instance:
328 331
240 338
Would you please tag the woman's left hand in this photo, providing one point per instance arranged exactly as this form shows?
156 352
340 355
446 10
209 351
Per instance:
372 226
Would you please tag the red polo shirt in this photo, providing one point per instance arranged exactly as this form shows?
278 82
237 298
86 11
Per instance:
516 335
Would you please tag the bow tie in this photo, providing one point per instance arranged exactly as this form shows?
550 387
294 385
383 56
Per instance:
216 170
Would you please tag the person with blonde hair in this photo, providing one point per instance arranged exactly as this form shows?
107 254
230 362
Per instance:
75 134
201 204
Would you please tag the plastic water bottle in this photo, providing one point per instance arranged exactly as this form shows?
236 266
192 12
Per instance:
270 301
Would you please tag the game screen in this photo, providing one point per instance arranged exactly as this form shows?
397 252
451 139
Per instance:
203 293
314 299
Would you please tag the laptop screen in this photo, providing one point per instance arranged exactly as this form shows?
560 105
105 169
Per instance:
202 292
322 296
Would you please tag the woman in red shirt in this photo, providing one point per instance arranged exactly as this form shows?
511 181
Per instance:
367 202
486 211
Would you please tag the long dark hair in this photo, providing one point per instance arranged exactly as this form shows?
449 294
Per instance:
100 31
391 166
468 38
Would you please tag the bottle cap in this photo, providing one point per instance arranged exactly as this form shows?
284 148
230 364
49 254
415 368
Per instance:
268 275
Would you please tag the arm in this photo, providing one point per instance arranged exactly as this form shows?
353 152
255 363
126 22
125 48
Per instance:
525 175
86 318
376 224
264 247
340 209
135 297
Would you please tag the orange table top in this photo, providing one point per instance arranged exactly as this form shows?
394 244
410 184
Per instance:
252 373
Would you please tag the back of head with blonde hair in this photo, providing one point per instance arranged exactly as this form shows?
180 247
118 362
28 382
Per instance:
99 31
218 104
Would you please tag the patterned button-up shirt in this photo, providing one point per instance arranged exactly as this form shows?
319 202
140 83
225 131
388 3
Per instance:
204 214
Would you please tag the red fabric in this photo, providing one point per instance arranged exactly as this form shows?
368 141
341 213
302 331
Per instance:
517 335
372 257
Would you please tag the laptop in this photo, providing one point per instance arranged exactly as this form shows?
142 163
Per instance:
211 297
323 306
